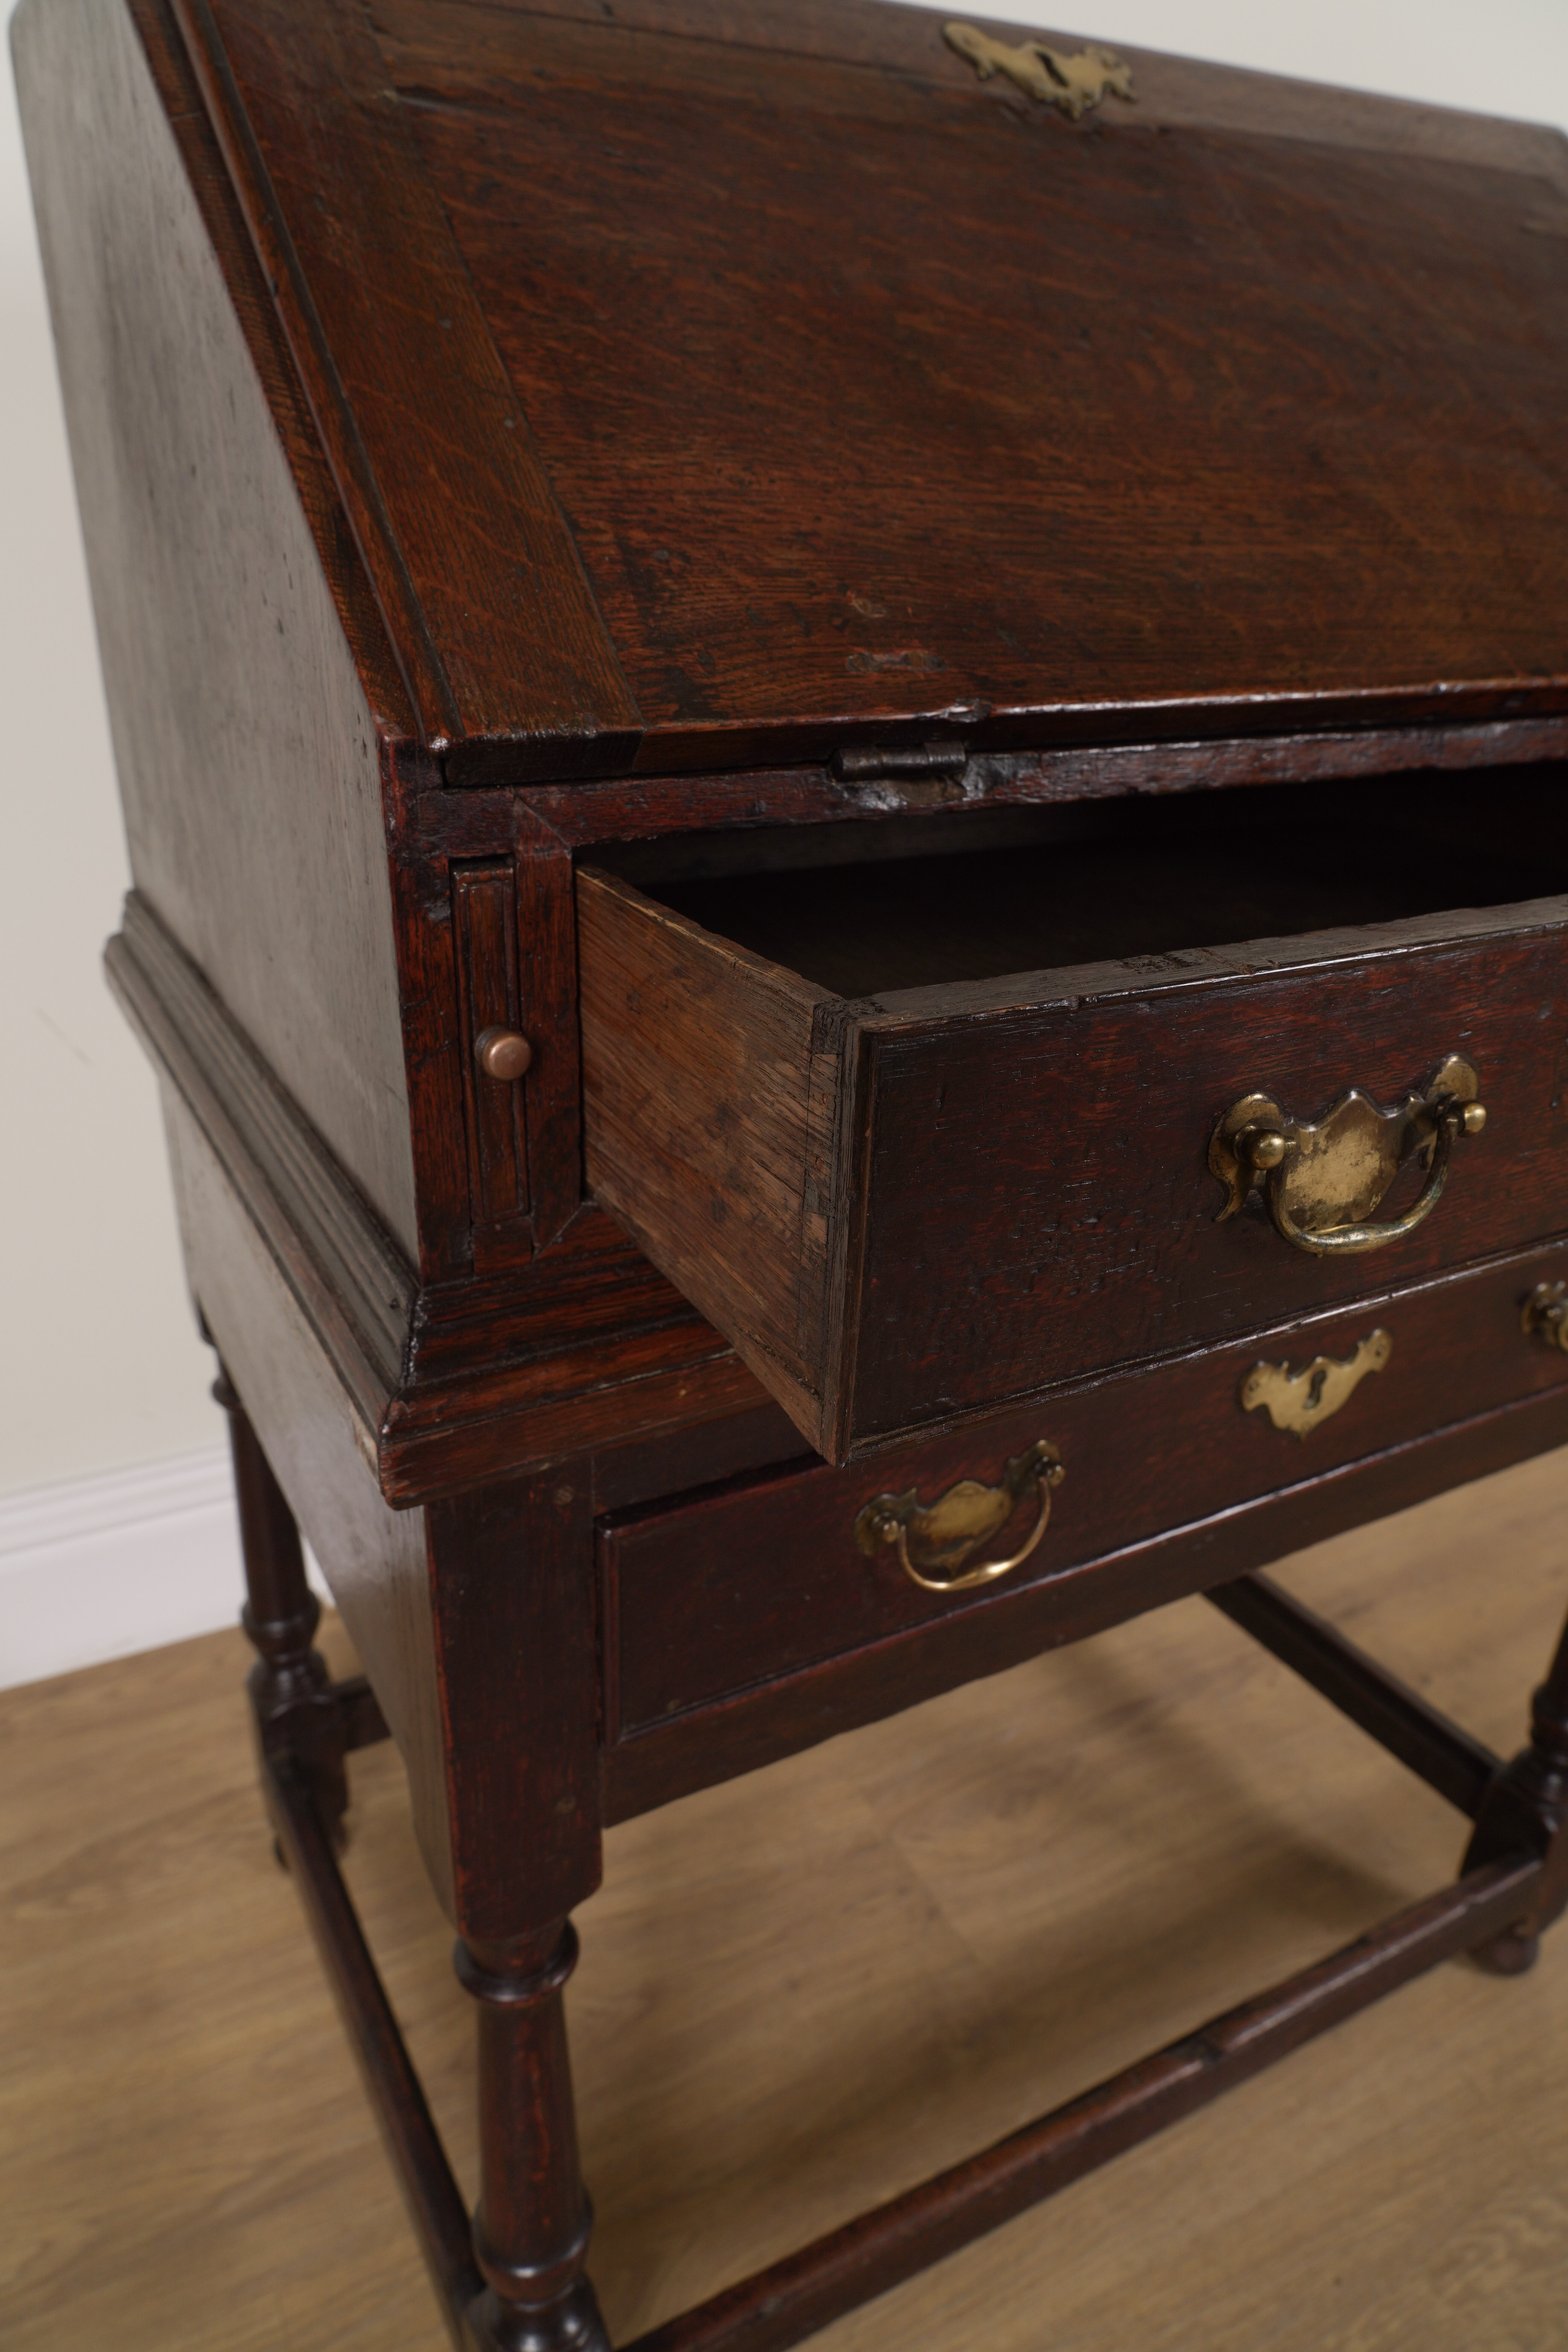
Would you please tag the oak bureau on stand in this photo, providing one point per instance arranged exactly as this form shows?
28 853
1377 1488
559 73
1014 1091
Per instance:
843 739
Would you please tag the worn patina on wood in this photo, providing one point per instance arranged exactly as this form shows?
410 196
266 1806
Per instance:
911 646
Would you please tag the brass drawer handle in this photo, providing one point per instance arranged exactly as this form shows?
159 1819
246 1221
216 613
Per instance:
1544 1314
941 1539
1322 1180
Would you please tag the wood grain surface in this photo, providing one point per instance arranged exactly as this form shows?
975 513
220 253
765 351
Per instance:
867 1973
247 675
631 474
1037 1188
323 1459
806 436
651 1366
710 1102
761 1579
474 567
935 1199
1170 90
643 805
778 1717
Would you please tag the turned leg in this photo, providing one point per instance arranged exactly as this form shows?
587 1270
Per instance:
297 1715
1526 1811
530 2231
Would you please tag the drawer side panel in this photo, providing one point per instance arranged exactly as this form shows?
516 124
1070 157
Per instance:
709 1082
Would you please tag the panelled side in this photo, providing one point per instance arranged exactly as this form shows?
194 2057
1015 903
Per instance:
323 1456
246 741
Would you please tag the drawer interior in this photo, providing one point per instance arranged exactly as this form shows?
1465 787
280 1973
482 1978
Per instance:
917 1111
865 908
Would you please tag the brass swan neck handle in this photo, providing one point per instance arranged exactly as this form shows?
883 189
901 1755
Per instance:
1322 1180
1544 1314
932 1543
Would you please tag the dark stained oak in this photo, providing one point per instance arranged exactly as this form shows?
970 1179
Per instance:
754 1727
930 1199
424 2175
514 1631
1086 1210
761 1579
298 1712
531 2226
913 651
893 196
485 927
1525 1810
321 1458
533 2193
1263 294
534 2221
1170 90
794 2297
247 673
1459 1768
481 586
481 1368
643 805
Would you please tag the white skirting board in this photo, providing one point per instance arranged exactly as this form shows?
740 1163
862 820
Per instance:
124 1560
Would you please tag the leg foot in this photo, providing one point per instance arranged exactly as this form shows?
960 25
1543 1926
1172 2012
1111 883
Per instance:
532 2226
1511 1956
571 2325
1525 1811
296 1712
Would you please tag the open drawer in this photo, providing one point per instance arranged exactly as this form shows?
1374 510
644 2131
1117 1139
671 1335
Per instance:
925 1132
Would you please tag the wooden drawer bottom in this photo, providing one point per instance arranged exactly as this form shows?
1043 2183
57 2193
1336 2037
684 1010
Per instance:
757 1590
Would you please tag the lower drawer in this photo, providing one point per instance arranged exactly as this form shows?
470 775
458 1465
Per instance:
766 1580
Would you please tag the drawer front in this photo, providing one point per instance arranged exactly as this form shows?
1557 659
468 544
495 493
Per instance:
765 1579
1038 1199
917 1206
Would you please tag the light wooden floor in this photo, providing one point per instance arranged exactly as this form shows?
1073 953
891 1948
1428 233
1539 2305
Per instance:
805 1989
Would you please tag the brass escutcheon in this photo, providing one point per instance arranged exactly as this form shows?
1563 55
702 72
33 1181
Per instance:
1544 1314
1302 1402
934 1544
1322 1180
1075 83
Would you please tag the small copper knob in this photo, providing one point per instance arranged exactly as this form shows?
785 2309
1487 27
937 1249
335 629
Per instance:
1474 1117
502 1053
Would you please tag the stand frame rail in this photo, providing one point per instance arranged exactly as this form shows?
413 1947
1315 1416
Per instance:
430 2192
1444 1754
359 1710
792 2299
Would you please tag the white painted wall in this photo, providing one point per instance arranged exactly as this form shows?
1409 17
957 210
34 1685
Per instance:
100 1366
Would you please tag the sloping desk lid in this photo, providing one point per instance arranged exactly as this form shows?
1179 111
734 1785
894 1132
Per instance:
714 384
